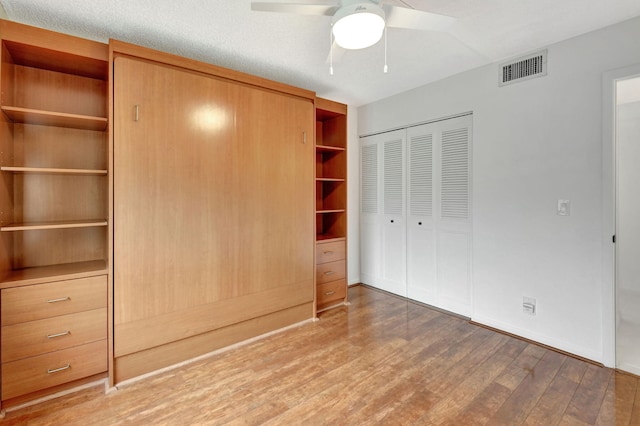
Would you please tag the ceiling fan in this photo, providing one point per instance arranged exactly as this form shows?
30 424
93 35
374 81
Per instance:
358 24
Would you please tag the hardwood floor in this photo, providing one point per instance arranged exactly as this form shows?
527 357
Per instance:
383 360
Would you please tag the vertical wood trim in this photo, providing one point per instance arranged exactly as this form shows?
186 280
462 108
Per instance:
110 227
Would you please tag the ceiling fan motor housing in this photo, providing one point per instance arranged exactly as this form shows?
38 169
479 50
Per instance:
358 24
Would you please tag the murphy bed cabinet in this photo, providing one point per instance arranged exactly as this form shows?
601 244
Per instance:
331 204
54 198
213 208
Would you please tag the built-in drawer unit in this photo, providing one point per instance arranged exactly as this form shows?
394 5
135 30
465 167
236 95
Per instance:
330 271
331 291
330 252
54 368
30 303
52 333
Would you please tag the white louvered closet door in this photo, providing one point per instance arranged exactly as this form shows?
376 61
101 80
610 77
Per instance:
370 235
393 217
382 215
421 232
453 216
416 213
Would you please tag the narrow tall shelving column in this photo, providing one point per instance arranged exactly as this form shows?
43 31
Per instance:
54 227
331 204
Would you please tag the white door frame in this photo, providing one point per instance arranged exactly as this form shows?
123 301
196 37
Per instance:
609 80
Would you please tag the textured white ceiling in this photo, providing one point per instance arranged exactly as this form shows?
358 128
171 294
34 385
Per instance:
294 48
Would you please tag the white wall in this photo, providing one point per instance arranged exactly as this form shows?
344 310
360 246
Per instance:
534 142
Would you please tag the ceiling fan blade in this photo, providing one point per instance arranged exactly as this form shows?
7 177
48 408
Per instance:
402 17
298 8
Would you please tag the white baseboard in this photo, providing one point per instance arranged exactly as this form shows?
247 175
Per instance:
541 338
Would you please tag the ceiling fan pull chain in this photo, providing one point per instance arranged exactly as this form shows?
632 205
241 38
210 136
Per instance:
330 52
386 68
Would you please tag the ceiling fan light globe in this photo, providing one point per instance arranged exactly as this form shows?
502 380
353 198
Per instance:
358 26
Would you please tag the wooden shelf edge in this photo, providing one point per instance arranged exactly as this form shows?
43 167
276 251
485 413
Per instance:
326 179
329 148
47 170
327 238
53 118
330 211
53 225
42 274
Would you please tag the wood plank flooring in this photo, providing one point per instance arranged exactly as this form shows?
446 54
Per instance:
382 360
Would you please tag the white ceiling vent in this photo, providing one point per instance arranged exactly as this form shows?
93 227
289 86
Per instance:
523 68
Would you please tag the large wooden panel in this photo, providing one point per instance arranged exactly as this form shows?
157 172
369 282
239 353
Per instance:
188 322
129 366
213 197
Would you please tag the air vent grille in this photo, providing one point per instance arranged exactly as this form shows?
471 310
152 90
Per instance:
524 68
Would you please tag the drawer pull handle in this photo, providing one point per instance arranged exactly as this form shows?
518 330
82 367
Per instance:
329 273
64 333
62 299
55 370
329 293
328 252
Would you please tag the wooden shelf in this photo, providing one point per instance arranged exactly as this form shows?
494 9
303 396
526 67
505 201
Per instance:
327 148
330 211
46 170
326 179
329 238
32 226
51 118
40 274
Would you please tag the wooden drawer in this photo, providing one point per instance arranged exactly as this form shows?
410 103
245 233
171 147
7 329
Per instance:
330 252
330 271
52 334
331 291
30 303
52 369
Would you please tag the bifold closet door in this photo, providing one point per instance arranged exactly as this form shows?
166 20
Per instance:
453 218
416 213
383 233
421 225
213 204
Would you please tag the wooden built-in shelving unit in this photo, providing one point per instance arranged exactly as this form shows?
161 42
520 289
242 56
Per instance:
54 227
331 204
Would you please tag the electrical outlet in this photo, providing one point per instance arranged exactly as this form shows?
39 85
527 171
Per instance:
564 207
529 305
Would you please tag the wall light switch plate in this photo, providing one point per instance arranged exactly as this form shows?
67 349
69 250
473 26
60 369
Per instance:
529 305
564 207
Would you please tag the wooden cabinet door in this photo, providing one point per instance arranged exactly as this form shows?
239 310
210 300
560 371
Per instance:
213 203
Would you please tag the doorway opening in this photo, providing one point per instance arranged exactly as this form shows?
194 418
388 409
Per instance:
627 224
